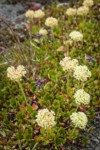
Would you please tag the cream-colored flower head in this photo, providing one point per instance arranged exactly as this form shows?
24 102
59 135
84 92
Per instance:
82 11
51 22
81 97
76 36
43 32
45 118
39 14
68 42
68 64
79 119
29 14
16 74
88 3
71 12
82 73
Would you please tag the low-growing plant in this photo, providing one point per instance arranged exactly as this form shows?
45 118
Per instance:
51 87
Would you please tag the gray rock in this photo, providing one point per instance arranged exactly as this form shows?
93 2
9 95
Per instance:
12 13
9 1
3 1
98 147
99 137
95 140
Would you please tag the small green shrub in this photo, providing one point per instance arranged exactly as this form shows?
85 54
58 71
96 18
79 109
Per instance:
39 109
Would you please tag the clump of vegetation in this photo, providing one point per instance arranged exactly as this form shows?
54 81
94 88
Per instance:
49 87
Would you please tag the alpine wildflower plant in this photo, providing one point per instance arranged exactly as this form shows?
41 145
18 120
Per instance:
58 100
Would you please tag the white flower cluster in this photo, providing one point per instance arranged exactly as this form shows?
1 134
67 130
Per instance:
68 64
16 74
34 14
81 97
45 118
76 36
81 73
43 32
29 14
88 3
79 119
71 12
39 14
51 22
82 11
68 42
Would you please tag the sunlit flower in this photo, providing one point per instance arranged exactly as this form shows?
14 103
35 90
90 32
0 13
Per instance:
82 73
71 12
76 36
51 22
68 64
43 32
88 3
16 74
79 119
29 14
39 14
81 97
45 118
68 42
82 11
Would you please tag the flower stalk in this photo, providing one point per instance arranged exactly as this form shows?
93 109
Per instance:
21 88
67 82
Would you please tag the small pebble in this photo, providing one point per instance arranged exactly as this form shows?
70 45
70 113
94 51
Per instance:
99 137
98 147
95 140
